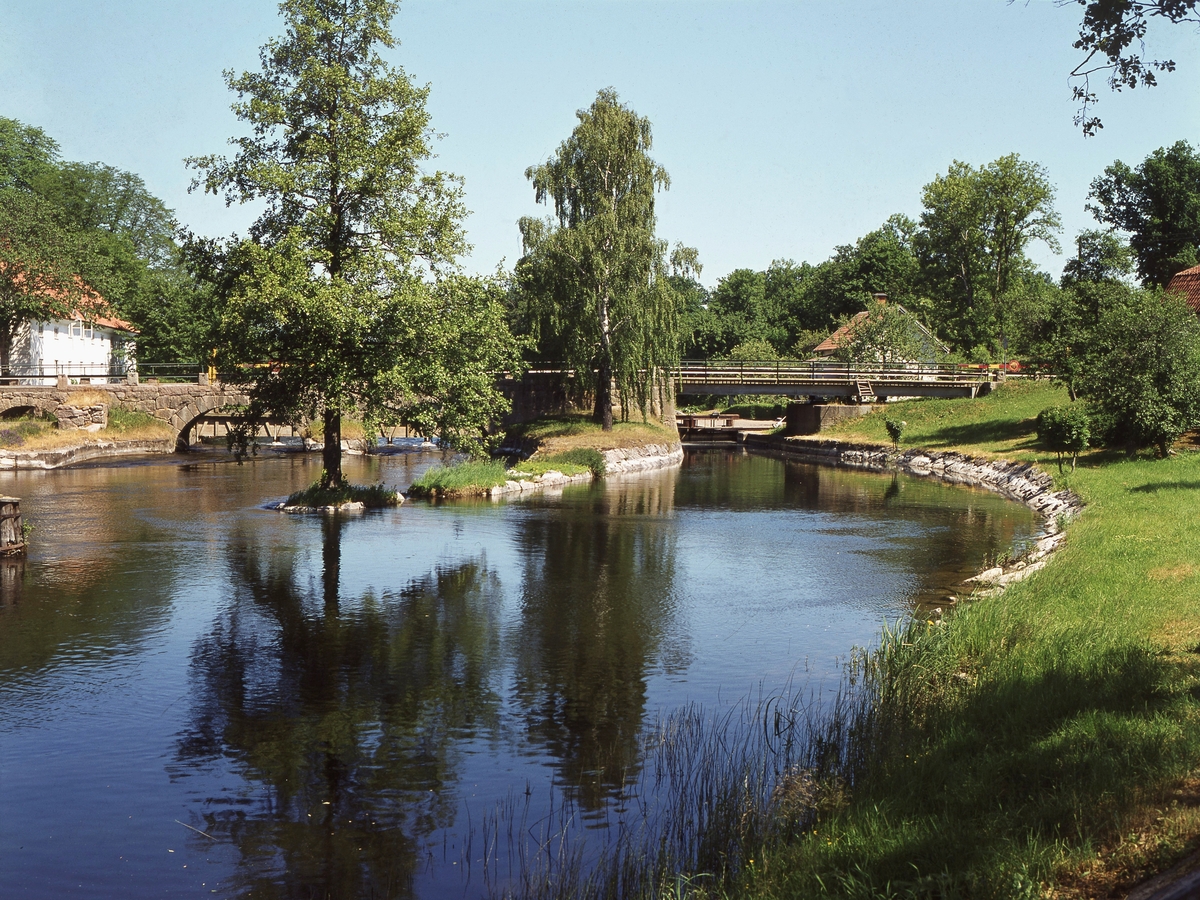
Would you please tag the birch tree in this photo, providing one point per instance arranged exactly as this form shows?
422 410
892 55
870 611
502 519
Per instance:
594 274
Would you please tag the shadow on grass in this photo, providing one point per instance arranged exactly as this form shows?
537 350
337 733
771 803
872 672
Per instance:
1155 486
991 432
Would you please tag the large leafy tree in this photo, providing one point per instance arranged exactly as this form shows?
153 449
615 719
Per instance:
344 289
1158 204
882 261
596 276
975 228
1112 38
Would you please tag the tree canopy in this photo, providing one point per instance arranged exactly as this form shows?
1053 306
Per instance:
596 277
48 268
975 227
348 284
1158 204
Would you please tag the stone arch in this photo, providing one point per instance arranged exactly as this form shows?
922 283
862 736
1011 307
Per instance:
11 407
197 407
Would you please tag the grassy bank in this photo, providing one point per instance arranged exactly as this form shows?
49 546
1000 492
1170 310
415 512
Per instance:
41 432
561 434
571 445
1042 743
478 477
998 424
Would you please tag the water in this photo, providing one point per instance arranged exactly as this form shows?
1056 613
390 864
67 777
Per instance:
201 697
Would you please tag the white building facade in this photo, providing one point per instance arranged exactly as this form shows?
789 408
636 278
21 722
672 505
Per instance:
96 351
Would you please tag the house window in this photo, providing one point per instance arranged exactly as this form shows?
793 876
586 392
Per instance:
56 329
88 332
77 328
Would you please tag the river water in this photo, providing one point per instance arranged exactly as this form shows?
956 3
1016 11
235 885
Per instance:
202 697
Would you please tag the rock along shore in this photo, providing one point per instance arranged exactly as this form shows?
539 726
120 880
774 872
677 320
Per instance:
616 462
1023 482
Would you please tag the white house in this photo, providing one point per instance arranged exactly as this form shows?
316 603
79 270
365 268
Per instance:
84 351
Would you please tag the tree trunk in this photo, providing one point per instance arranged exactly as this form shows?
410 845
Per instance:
331 559
331 456
603 414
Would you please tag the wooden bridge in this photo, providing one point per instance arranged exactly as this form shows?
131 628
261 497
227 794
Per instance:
863 381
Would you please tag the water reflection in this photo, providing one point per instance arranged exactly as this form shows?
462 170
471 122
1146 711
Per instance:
348 712
597 598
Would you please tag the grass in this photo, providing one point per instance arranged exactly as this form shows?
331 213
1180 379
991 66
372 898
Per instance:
475 477
1002 423
42 432
571 445
372 496
1041 743
561 434
461 479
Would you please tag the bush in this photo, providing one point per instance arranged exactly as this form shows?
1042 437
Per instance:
895 428
1065 430
1145 376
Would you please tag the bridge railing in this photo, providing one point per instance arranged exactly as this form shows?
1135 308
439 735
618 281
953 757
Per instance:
783 372
83 373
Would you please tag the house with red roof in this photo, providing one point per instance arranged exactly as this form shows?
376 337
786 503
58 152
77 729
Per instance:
85 348
931 348
1187 283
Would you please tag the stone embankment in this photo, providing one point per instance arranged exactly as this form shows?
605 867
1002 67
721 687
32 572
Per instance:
616 462
1023 482
69 456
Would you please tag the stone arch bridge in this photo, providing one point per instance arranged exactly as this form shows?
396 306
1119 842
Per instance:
180 406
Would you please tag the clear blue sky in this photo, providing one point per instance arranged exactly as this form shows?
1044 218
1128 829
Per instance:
787 127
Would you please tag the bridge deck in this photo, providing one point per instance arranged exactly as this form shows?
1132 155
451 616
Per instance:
828 379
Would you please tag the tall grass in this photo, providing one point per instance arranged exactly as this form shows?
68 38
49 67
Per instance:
467 477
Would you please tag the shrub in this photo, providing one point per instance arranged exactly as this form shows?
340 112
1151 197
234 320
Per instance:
1065 430
895 428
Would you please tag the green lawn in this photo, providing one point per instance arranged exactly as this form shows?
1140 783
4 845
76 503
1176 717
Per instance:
999 424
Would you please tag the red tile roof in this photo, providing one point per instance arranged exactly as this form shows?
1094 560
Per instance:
1187 283
835 340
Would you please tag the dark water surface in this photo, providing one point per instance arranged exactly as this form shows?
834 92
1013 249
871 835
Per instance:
335 705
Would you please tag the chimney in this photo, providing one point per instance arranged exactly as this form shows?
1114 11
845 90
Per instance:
882 298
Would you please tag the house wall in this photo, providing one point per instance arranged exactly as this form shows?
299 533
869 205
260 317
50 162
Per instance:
43 350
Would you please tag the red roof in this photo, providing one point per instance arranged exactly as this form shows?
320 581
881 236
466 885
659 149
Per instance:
1187 283
835 340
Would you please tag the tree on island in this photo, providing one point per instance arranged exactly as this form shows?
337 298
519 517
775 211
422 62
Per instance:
346 297
595 276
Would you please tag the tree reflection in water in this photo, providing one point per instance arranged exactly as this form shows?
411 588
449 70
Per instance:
346 712
597 600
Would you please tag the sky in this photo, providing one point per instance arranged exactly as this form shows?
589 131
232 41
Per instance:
787 128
